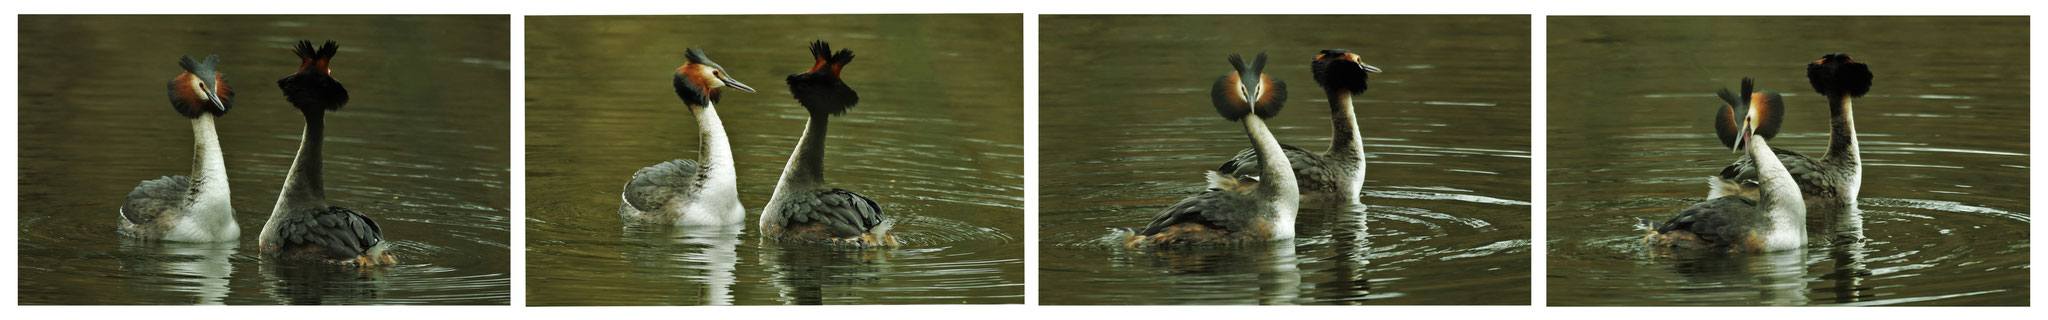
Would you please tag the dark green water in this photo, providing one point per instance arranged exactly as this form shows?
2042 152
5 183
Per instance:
937 140
1126 128
1943 133
421 148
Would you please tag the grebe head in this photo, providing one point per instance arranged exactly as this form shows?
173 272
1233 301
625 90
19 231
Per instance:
313 89
201 88
1836 74
1248 90
698 80
820 89
1339 69
1750 114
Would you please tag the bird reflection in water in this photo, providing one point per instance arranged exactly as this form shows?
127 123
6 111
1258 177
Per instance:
710 250
201 269
1352 243
1777 278
816 273
1218 274
1846 248
322 284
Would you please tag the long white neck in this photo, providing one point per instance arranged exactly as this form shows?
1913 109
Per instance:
302 185
209 193
806 168
1843 149
717 148
1347 147
1345 142
1778 196
1276 185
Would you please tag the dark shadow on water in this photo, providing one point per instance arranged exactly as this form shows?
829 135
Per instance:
1269 271
1774 277
810 274
314 284
1846 248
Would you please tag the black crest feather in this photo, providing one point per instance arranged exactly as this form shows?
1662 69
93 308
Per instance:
821 91
305 50
696 55
1725 126
1838 74
1336 73
312 90
823 51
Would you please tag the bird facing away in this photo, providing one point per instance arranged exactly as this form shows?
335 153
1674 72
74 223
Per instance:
1775 220
1338 173
1260 211
803 209
692 192
303 227
1835 178
189 208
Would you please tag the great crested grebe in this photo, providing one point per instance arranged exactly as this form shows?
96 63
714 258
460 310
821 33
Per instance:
684 191
1254 211
302 227
1835 178
803 209
1775 220
1337 173
195 208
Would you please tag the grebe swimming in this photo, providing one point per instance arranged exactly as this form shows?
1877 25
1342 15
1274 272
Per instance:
803 209
1773 221
1250 211
190 208
1337 173
1836 177
303 227
700 192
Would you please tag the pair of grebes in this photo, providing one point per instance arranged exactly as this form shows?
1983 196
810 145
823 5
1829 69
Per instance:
1757 204
702 192
1760 203
1255 195
302 227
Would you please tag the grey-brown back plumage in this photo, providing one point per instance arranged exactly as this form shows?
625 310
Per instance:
153 198
1720 222
845 214
1215 208
338 233
1810 174
654 187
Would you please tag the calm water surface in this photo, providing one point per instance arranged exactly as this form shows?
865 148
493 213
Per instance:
937 140
1943 131
1127 129
421 148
